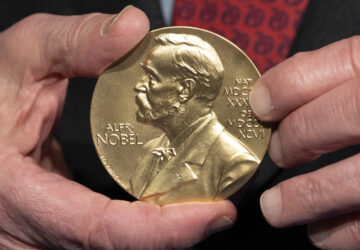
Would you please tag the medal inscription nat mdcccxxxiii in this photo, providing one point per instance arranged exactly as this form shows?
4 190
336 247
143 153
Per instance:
171 120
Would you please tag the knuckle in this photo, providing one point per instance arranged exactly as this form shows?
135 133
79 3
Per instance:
161 239
28 25
297 78
300 58
352 175
145 231
74 31
298 127
310 195
68 39
72 36
37 17
299 55
298 124
97 236
349 108
33 19
355 100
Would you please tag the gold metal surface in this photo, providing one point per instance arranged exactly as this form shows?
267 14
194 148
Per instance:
171 121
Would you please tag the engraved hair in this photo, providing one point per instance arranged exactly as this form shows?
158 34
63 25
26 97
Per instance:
196 59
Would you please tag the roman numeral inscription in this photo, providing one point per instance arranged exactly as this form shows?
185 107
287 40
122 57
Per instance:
238 94
237 97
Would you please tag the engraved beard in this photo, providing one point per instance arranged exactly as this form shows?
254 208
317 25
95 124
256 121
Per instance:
160 115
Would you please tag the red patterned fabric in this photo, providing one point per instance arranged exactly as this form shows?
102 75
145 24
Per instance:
264 29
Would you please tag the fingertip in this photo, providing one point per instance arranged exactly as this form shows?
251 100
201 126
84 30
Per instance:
218 225
260 101
275 149
318 233
118 35
222 216
224 220
271 205
229 209
131 21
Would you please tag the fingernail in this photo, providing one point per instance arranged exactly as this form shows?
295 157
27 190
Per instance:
318 233
275 149
271 204
218 225
260 100
108 23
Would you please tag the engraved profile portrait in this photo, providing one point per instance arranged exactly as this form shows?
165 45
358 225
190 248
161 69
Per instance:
196 158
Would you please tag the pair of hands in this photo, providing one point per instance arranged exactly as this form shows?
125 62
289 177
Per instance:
313 94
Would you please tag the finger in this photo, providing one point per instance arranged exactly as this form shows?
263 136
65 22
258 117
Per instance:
332 190
304 77
47 211
172 226
342 232
73 45
328 123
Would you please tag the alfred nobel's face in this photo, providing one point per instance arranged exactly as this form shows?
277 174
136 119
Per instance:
157 94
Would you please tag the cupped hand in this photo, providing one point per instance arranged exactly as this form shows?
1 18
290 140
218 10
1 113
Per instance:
39 207
315 96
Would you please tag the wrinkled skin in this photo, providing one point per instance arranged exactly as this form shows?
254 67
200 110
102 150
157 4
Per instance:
40 208
315 97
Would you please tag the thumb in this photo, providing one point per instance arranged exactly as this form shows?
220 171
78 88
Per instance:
73 45
167 227
46 210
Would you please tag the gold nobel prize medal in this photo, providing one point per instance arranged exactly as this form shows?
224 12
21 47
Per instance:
171 120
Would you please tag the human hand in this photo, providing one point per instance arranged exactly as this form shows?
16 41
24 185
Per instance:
316 97
39 207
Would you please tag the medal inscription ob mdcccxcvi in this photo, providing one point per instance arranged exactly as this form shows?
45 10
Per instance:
171 120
